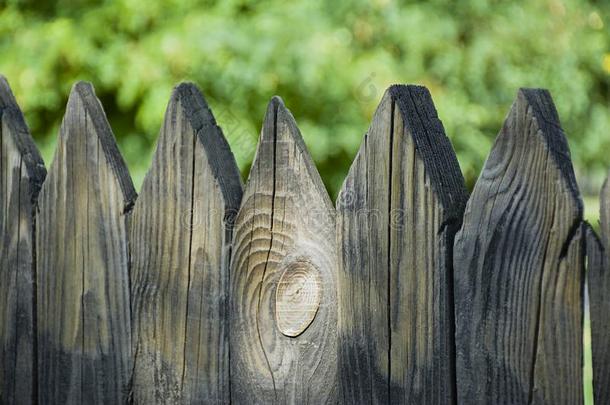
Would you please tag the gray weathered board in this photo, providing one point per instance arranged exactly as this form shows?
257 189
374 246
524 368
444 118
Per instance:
84 323
180 248
519 265
598 277
21 175
283 276
398 212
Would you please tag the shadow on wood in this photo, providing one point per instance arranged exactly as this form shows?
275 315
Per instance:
84 322
398 211
599 299
283 276
21 175
519 264
180 247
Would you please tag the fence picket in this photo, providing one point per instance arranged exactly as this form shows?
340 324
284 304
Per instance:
21 175
398 211
598 281
283 278
180 239
84 324
519 265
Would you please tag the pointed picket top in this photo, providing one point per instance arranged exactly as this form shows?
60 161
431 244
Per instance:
280 128
598 278
221 161
85 108
432 146
84 321
14 126
21 175
180 241
398 211
546 119
519 266
283 275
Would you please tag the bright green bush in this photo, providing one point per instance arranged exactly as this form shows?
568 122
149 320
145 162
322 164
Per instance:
330 61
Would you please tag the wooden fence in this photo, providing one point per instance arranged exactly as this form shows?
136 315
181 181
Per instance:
202 290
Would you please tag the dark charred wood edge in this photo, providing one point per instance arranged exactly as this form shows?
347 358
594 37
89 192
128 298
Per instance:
544 111
11 113
433 147
115 160
220 158
12 116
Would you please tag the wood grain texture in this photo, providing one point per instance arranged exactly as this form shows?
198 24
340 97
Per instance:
180 239
598 281
398 211
21 175
297 298
519 264
84 323
285 232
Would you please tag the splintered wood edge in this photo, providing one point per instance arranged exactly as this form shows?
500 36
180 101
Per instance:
11 114
553 136
84 92
421 122
218 152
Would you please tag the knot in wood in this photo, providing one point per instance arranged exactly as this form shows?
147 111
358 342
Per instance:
297 297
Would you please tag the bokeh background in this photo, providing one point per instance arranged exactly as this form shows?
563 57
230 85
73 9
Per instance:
330 61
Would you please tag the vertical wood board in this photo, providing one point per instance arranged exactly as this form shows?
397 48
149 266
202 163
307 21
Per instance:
84 321
283 276
398 211
598 282
21 175
519 264
180 239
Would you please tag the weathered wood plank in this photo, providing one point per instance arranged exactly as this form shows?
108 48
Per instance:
180 239
283 276
21 175
519 266
84 322
598 280
398 212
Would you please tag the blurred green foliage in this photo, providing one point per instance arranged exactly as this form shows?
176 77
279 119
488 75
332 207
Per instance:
330 61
